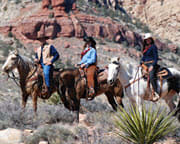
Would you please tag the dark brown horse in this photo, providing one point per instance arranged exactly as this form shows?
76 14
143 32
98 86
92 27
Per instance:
29 80
73 87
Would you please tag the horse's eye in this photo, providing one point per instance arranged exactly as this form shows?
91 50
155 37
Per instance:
13 58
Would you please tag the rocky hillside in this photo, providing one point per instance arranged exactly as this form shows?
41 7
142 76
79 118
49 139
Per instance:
117 28
161 16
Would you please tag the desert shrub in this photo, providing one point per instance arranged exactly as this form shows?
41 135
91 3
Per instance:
51 15
5 48
146 126
95 106
178 51
10 34
54 134
13 116
37 0
69 64
5 8
137 47
50 7
125 44
18 1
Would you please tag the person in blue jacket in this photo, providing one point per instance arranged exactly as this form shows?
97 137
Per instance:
46 55
150 59
88 63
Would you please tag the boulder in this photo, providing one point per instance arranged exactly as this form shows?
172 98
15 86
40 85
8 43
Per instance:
10 136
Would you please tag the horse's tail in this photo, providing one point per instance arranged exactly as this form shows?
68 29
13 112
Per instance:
174 71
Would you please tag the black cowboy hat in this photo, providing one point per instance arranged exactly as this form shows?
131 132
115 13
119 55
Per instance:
89 39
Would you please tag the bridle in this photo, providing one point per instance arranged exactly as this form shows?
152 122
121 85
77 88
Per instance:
17 79
118 68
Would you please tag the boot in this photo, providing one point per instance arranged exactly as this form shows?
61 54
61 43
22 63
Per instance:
46 93
91 94
155 96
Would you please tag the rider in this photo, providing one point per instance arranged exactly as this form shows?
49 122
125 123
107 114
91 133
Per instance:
150 59
46 55
88 62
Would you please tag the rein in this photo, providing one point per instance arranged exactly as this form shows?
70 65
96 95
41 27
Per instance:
32 73
135 80
14 78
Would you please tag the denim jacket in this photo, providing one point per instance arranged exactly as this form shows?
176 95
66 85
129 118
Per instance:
89 58
150 55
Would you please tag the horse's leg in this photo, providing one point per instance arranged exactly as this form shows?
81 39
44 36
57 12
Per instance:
111 100
169 100
34 98
24 100
177 109
119 98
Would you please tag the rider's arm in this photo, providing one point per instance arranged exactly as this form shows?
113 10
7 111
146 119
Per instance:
36 56
155 55
142 60
54 53
92 58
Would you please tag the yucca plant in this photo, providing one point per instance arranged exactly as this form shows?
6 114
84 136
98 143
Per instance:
145 126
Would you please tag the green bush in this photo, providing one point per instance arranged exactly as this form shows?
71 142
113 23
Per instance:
51 15
54 99
37 0
144 127
5 8
5 48
10 34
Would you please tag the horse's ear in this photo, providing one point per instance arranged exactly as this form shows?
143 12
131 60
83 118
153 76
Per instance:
118 58
16 51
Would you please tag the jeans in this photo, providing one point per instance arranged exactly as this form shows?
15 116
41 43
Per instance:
47 71
153 78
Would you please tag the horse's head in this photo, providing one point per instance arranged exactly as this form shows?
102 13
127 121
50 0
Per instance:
11 61
113 70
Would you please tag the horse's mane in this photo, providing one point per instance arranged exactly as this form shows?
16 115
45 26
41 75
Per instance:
26 62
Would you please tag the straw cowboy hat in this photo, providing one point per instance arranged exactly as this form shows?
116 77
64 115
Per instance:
147 36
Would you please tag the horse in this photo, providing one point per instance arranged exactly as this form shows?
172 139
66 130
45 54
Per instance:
73 87
30 81
137 88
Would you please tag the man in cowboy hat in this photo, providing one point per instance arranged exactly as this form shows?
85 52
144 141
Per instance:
46 55
88 62
150 59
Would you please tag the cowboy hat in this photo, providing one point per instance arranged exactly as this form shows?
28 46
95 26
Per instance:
147 36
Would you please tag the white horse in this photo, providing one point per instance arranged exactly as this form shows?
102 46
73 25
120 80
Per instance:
136 87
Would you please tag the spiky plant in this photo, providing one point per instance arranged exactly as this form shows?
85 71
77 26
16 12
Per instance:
145 126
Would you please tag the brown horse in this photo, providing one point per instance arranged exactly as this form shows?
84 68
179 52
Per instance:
30 81
73 87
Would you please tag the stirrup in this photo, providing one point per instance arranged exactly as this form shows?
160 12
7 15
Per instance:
91 93
155 97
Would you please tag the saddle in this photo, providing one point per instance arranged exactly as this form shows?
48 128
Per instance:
41 80
162 73
100 77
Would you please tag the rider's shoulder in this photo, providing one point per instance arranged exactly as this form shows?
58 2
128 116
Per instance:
154 46
92 49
